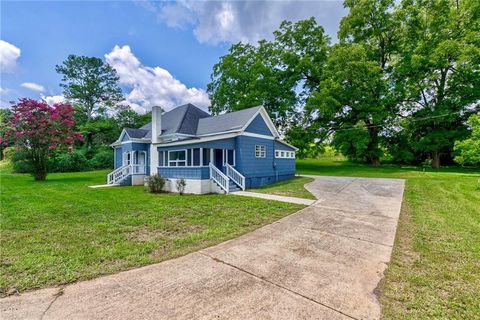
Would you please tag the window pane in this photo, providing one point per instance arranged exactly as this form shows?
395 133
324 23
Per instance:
181 155
196 157
172 155
230 159
181 163
173 164
160 158
189 157
206 156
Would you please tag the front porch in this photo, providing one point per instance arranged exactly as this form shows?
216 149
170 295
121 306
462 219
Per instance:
133 169
206 170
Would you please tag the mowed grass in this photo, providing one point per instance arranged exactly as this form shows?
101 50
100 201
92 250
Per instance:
61 231
290 188
434 272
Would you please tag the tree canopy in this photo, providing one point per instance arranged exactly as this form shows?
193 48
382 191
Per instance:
39 129
401 82
91 83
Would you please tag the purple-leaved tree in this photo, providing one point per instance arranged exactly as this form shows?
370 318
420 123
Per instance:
38 129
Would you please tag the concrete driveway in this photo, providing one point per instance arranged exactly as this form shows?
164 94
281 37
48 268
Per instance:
323 262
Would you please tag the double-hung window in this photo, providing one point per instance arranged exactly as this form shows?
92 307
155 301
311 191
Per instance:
177 158
260 151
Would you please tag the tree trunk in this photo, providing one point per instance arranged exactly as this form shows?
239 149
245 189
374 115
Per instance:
436 159
372 148
39 166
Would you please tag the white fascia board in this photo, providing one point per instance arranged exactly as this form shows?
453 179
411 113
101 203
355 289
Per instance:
287 144
201 139
256 135
267 120
118 143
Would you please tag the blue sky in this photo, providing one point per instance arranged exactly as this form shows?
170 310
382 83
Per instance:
163 51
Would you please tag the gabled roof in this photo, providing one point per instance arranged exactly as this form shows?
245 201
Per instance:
190 121
183 119
136 133
226 122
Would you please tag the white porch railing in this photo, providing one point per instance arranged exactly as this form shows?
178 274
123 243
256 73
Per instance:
236 176
139 169
119 174
218 176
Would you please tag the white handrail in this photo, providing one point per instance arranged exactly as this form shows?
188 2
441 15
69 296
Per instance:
218 176
236 176
119 174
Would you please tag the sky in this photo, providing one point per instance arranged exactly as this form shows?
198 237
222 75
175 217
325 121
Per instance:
163 52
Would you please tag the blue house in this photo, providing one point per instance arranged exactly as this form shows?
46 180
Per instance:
214 154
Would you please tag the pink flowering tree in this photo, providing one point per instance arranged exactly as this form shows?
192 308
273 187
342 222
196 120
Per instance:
38 129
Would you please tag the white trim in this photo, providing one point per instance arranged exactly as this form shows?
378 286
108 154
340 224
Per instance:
256 135
130 139
177 161
287 154
260 152
195 141
263 112
225 157
287 144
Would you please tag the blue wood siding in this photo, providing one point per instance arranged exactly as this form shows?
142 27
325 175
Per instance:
126 137
258 126
199 173
118 157
261 171
281 146
127 147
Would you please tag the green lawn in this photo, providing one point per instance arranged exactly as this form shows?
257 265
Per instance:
60 231
290 188
435 266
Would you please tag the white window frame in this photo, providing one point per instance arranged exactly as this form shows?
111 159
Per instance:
127 158
225 157
285 155
177 161
166 158
260 151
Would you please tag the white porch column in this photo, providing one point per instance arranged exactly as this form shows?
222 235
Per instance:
153 159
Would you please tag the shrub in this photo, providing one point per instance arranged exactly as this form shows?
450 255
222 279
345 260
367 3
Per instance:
102 160
154 183
68 162
20 163
8 153
181 184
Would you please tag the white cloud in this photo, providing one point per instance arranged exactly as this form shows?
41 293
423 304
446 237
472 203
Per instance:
8 57
33 86
247 21
151 86
51 100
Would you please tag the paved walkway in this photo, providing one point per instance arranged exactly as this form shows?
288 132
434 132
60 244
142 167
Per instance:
324 262
274 197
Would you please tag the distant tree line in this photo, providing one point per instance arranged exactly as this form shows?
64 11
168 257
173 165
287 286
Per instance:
91 88
400 85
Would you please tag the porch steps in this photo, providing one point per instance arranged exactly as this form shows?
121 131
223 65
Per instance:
233 187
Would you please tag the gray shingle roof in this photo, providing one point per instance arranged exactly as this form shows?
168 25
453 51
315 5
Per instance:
226 122
136 133
188 119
